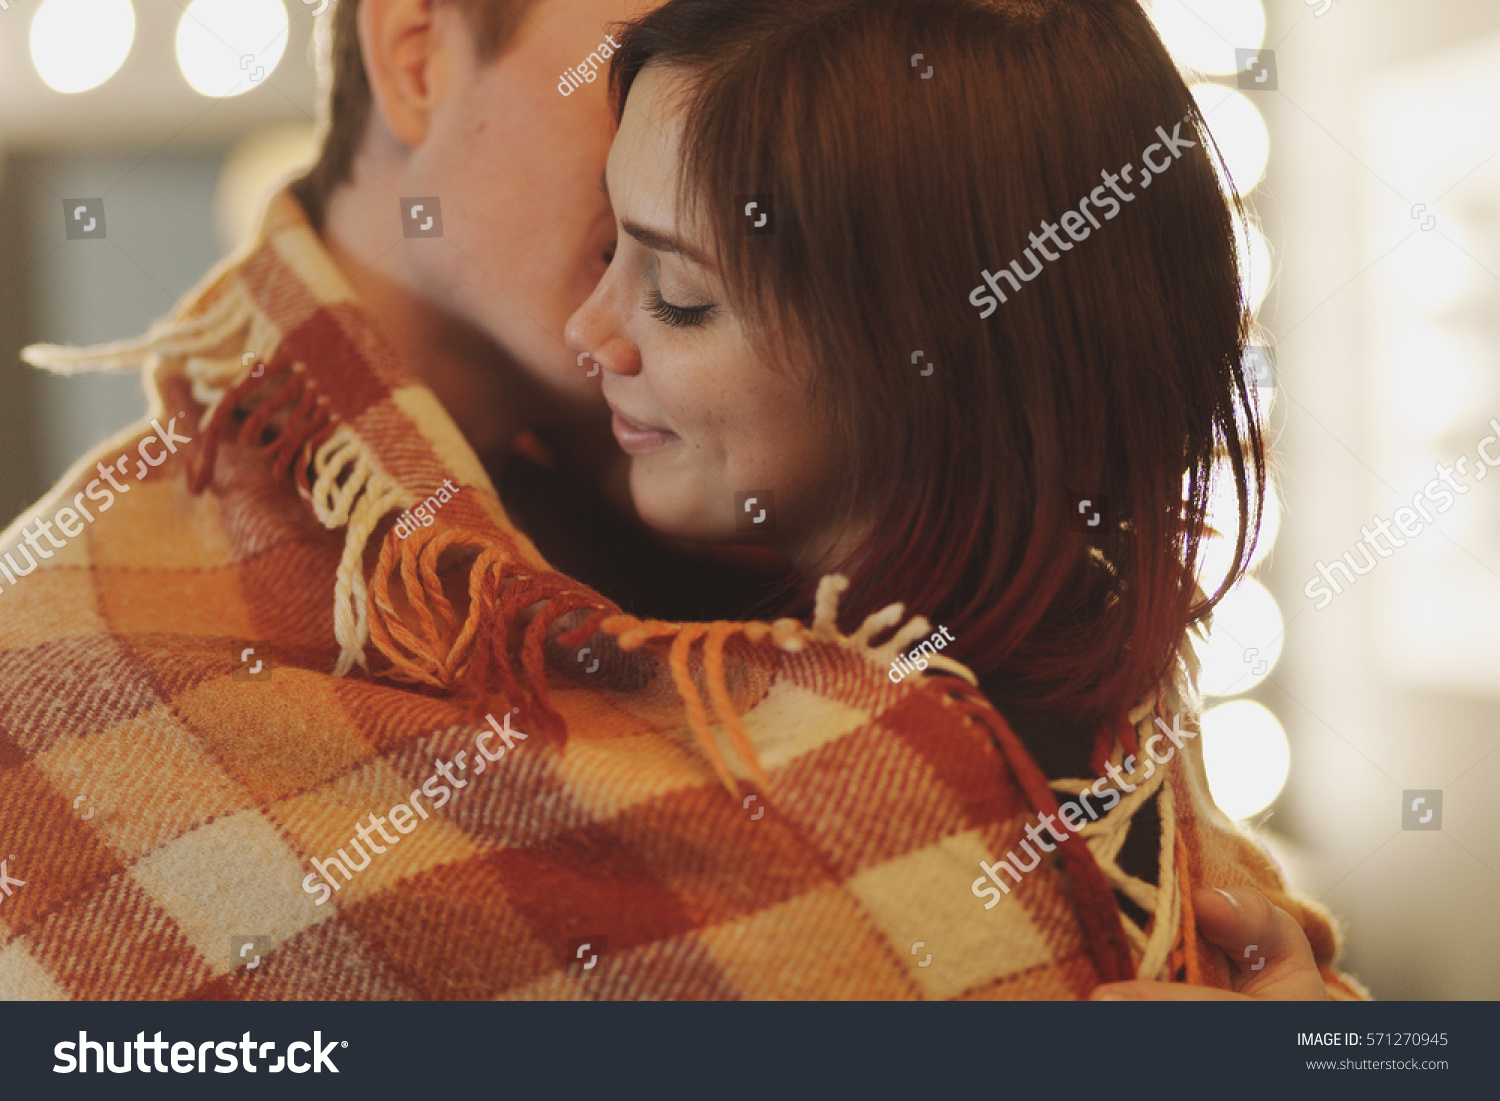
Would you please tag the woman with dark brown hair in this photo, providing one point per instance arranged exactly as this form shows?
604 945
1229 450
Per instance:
941 295
951 285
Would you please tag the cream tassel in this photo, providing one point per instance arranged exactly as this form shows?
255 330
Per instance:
175 336
1105 838
351 488
1168 909
825 629
351 598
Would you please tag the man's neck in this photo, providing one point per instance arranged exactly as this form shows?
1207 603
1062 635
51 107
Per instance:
488 396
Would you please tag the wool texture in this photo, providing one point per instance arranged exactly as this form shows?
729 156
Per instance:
241 660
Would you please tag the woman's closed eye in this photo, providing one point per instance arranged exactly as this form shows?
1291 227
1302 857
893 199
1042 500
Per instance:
678 317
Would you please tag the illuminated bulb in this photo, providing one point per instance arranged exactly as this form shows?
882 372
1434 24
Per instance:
227 47
1245 642
79 44
1254 253
1247 757
1216 551
1238 131
1203 34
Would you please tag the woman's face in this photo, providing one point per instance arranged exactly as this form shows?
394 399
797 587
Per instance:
706 420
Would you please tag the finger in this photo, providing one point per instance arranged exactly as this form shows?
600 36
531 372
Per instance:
1243 922
1162 992
1265 945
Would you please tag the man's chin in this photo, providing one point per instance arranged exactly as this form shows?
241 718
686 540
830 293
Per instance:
564 387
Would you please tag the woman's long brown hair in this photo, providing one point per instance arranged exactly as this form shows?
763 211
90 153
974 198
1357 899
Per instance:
1115 374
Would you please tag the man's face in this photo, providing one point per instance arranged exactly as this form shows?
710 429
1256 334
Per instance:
516 166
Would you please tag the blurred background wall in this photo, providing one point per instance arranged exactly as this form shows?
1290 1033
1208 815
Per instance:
1354 715
1384 198
1364 137
179 173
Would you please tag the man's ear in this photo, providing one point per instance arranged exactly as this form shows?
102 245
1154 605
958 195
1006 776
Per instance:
403 46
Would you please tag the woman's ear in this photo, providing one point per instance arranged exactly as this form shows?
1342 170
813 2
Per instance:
405 45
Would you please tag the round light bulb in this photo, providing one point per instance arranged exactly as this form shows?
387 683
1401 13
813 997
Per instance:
227 47
1254 253
1247 757
1238 130
1244 642
1203 34
1217 551
79 44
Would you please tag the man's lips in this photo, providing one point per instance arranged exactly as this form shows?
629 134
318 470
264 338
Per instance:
636 438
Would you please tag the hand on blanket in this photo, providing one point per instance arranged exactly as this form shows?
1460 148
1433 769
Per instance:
1268 953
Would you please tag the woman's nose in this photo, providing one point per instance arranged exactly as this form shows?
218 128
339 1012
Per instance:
595 331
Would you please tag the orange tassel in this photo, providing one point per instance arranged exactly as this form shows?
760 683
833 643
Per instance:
692 702
718 694
1193 966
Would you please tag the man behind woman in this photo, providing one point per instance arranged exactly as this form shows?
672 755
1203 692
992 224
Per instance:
745 809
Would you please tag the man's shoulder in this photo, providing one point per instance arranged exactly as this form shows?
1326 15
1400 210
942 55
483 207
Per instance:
121 548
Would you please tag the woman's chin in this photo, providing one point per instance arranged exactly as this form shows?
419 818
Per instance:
677 516
675 525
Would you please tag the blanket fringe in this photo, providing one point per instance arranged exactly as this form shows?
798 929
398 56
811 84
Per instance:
402 608
432 647
1169 945
177 335
788 635
349 490
1091 873
1185 955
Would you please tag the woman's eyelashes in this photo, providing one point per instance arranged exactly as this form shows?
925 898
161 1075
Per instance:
677 317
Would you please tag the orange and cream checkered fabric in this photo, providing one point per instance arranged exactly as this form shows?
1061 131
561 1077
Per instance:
716 810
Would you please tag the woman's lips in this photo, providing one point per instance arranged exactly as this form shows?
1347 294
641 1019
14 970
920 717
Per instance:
639 439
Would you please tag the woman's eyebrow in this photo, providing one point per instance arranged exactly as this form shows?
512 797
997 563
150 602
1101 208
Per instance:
657 240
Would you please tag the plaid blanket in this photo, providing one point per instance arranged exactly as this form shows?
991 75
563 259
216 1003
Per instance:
290 710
